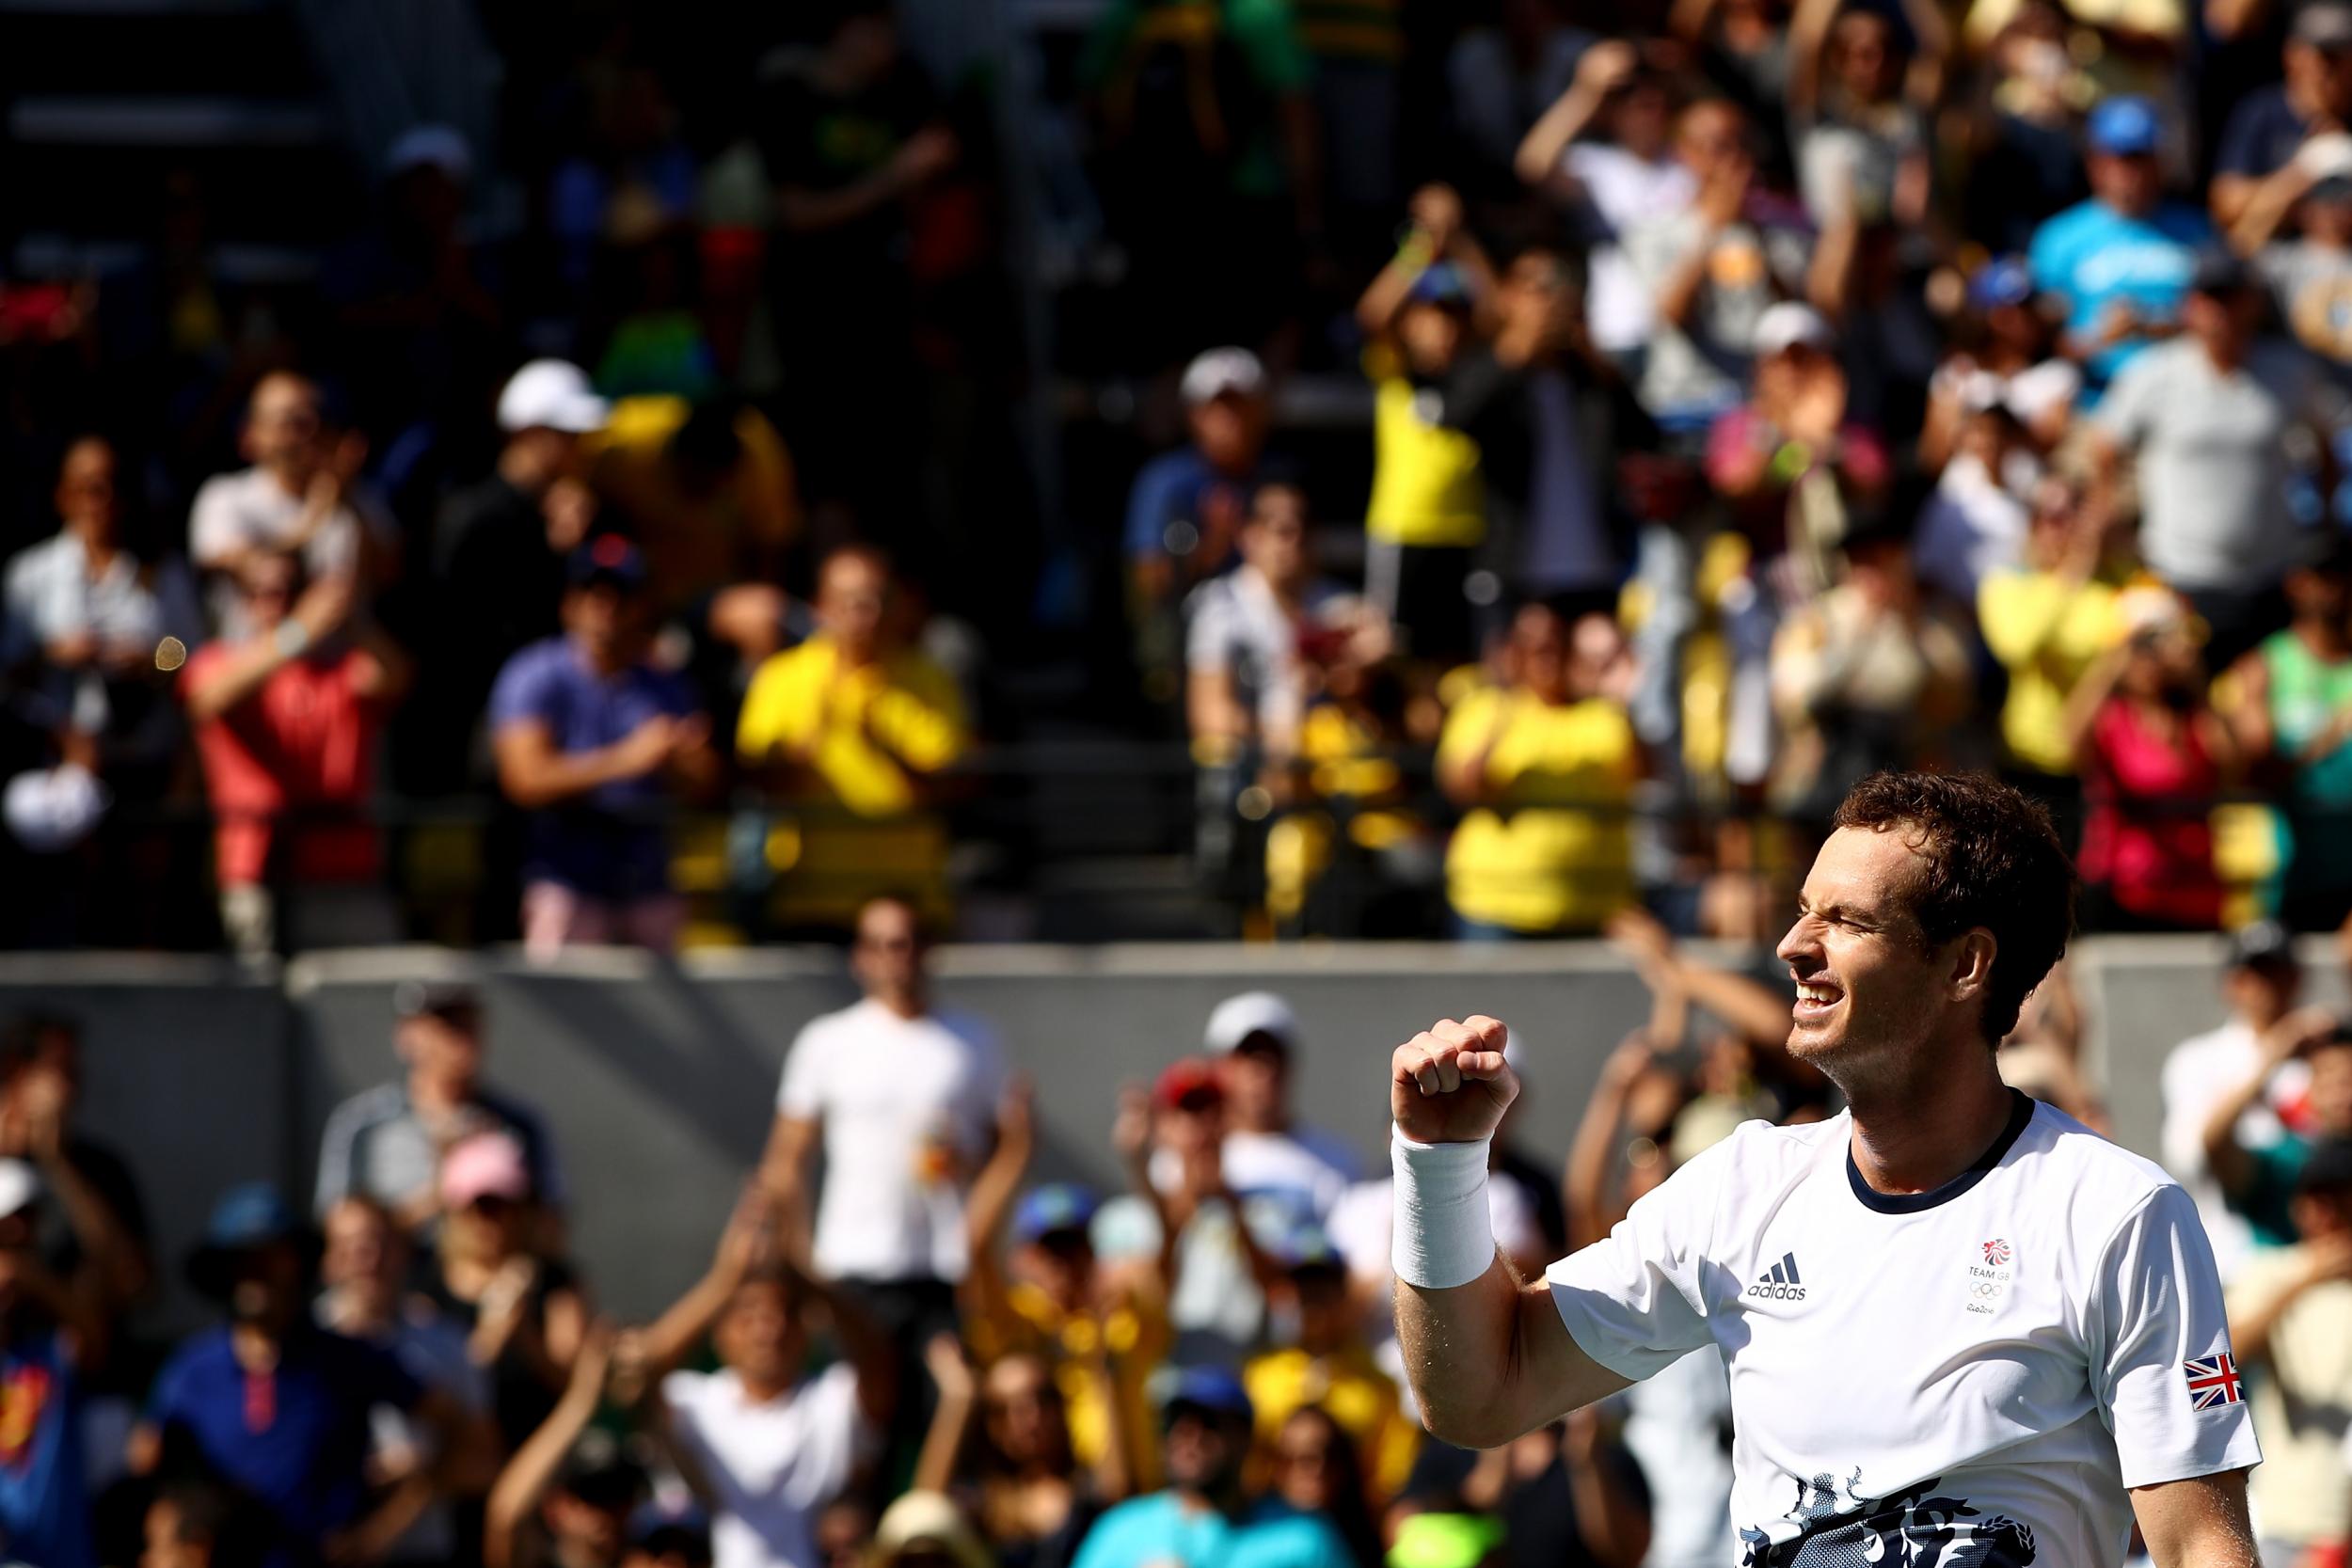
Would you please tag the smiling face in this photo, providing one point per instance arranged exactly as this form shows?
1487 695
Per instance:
1872 997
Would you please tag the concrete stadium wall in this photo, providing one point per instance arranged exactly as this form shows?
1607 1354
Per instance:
658 1081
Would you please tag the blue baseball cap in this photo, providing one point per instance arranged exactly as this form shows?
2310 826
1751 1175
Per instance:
1306 1248
1212 1390
1440 283
1062 1206
2003 280
2124 126
247 1218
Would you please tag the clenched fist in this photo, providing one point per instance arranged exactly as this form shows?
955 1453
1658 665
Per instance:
1450 1084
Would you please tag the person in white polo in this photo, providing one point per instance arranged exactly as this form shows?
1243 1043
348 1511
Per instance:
1963 1330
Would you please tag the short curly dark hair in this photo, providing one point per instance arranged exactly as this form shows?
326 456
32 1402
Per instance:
1992 860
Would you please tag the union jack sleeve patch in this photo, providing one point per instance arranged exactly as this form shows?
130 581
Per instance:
2213 1380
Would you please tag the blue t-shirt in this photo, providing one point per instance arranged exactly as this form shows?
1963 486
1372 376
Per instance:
2263 133
1160 1528
1175 487
2092 255
44 1506
297 1440
608 843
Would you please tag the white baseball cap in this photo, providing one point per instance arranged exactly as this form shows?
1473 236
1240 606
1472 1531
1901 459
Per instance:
551 394
441 146
1220 370
1253 1012
19 1185
1786 324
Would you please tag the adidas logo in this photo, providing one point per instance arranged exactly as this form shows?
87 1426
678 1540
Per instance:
1780 1281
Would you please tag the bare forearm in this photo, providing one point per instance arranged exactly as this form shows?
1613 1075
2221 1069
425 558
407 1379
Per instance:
1540 150
1615 1533
1484 1363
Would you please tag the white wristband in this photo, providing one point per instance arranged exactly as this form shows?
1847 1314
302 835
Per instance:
1442 1236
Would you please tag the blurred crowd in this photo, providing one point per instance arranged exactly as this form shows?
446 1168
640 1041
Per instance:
913 1349
1533 458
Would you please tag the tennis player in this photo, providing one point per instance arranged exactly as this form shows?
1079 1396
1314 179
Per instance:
1963 1330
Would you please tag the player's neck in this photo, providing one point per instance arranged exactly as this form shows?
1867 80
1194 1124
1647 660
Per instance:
1914 1137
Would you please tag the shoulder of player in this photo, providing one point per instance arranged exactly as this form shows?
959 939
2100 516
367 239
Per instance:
2102 1181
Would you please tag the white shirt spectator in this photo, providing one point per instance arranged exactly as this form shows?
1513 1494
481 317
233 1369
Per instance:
51 595
770 1467
1628 191
1973 524
1239 629
2196 1074
906 1105
1675 1428
248 510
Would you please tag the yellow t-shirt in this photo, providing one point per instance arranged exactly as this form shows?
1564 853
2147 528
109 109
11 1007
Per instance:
864 729
695 541
1356 1393
1132 1339
1426 487
1557 852
2046 632
2302 1491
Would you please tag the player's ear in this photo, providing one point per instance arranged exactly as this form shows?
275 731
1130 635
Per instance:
1971 969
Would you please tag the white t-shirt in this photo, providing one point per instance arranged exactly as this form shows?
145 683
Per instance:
770 1467
1986 1366
2198 1074
1626 191
907 1106
1304 1169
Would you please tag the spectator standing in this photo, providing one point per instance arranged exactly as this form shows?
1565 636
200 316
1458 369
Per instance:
2291 1322
2309 275
1867 676
1267 1154
771 1441
2260 1180
2257 170
1185 510
1329 1363
567 1494
2153 756
94 609
279 1408
524 1316
2009 365
1855 96
364 1275
851 730
386 1144
846 208
2209 417
1428 508
1103 1332
2259 981
1712 268
2021 131
1543 766
49 1328
2120 261
1208 1513
2047 620
2292 710
595 742
1793 459
301 495
1317 1470
504 542
1631 179
1530 397
106 1227
901 1100
287 711
709 492
1246 683
1034 1502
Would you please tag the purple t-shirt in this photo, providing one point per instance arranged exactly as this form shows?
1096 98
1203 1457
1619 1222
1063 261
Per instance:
609 842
